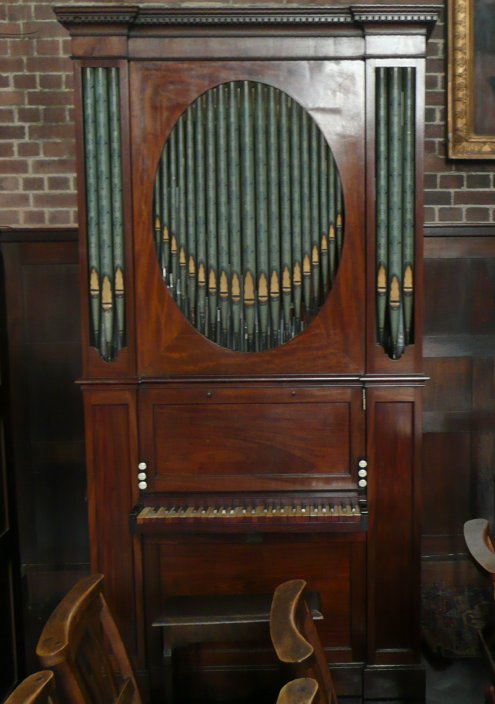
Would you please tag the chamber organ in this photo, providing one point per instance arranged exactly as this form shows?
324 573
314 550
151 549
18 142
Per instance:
250 211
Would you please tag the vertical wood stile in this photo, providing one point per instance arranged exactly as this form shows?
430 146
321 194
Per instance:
92 220
117 207
104 213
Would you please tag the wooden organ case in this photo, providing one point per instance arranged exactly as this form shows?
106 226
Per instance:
250 184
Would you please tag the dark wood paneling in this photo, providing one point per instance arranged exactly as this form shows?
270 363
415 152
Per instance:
42 357
459 427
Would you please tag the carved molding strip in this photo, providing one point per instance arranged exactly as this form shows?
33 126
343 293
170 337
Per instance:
133 15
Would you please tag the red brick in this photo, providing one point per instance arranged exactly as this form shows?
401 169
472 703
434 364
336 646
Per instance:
51 149
19 13
59 183
13 166
69 81
451 180
478 181
13 132
12 65
450 214
435 65
55 115
29 114
10 217
474 197
431 181
9 183
477 214
11 29
12 97
21 47
6 149
54 200
33 217
49 97
430 215
28 148
59 217
435 97
33 183
435 131
48 64
14 200
43 12
438 197
51 81
4 47
25 80
6 115
432 81
48 47
4 81
48 132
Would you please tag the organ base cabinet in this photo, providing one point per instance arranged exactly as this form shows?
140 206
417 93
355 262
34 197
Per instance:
250 205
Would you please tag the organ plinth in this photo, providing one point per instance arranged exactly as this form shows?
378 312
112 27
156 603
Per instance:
250 208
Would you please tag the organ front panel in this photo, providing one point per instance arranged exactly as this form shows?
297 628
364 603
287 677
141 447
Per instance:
250 215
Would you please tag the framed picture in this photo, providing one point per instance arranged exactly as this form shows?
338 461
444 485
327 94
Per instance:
471 79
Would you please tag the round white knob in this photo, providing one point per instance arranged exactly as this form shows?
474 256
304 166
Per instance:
363 463
143 485
362 483
362 473
142 476
142 465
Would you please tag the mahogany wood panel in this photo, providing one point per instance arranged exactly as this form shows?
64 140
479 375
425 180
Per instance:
257 563
251 439
394 485
111 445
333 94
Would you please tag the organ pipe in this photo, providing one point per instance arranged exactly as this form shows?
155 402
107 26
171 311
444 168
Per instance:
250 196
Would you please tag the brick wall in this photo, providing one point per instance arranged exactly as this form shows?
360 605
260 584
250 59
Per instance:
37 182
456 191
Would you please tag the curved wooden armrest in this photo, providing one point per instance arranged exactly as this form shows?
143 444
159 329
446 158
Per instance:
288 642
53 644
479 544
39 688
300 691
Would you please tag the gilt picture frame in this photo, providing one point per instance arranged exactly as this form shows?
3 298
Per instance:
471 79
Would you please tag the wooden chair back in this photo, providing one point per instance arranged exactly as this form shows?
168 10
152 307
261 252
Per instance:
38 688
304 690
82 645
295 638
480 546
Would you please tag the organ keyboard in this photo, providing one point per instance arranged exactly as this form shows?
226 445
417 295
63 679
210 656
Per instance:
329 512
